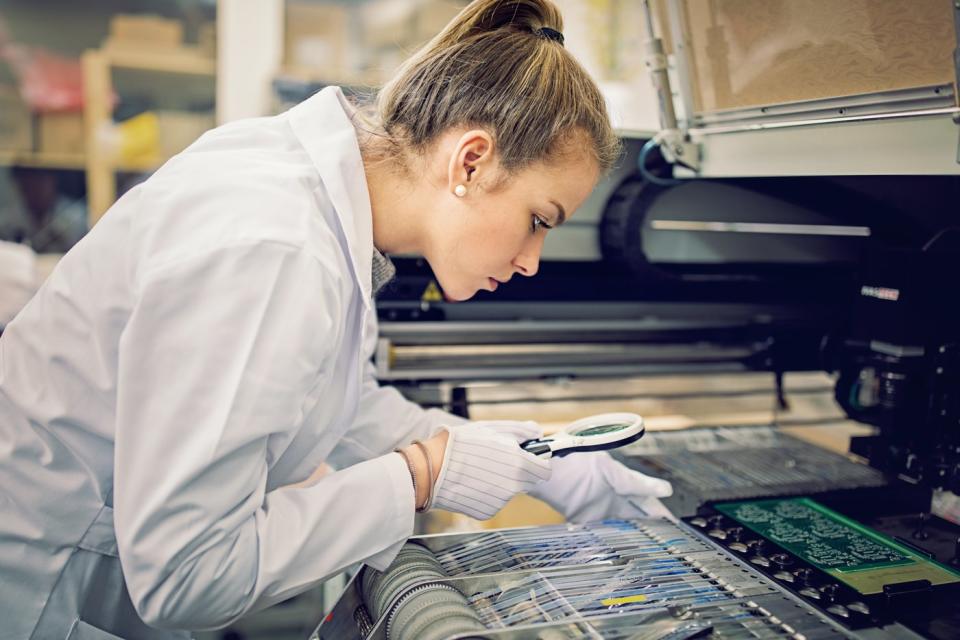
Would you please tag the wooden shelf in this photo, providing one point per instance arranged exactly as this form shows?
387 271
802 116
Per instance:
69 161
306 74
97 89
186 60
39 160
139 167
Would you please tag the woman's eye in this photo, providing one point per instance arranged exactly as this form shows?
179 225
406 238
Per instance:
536 222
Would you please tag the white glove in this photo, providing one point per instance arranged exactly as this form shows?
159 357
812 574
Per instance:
483 467
594 486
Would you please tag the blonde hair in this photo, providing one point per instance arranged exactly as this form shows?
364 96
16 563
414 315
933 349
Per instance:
494 68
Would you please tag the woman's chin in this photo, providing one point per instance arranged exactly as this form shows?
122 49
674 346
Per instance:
457 297
458 294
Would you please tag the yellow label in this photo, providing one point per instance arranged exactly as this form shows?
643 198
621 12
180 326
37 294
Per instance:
140 139
432 293
613 602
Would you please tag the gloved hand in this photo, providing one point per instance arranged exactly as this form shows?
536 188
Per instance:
594 486
483 467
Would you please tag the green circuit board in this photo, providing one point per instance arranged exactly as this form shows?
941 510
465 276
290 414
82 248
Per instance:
857 555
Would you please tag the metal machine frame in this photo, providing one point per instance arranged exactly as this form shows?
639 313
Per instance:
713 144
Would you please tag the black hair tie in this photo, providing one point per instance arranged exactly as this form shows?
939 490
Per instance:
550 34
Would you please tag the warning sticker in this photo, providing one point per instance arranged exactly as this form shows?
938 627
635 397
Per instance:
431 293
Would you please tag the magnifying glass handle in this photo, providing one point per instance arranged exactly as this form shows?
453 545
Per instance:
536 446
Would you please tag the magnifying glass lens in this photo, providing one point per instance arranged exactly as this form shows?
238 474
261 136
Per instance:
602 429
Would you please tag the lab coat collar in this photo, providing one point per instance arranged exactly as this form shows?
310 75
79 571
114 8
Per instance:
323 125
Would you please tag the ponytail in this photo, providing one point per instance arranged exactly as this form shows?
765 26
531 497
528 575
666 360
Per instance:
500 65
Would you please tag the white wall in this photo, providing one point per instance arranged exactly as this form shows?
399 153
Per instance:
249 52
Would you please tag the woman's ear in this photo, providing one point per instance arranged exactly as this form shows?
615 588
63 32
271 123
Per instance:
471 162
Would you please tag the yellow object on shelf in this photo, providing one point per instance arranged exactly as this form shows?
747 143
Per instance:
144 142
139 140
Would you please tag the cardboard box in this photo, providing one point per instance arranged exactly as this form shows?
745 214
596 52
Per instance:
16 124
399 23
317 38
144 31
385 23
431 17
61 133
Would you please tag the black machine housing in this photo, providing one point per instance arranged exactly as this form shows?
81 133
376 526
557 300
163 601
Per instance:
878 309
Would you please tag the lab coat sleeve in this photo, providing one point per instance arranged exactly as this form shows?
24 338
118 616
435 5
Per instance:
218 355
386 420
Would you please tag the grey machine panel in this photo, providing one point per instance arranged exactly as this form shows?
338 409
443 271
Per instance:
731 463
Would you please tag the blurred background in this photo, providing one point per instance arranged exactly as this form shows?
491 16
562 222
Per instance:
96 96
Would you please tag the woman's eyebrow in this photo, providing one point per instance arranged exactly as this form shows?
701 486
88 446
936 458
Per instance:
561 213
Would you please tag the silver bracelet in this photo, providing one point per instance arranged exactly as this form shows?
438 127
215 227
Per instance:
413 475
426 454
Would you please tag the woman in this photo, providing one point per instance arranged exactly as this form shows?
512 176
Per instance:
166 396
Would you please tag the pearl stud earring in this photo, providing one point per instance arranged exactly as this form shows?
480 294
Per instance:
460 190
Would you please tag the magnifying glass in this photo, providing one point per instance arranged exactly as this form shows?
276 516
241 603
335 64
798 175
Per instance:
596 433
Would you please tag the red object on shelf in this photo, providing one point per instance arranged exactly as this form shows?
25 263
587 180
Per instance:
49 82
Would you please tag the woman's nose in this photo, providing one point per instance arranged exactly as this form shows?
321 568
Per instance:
527 262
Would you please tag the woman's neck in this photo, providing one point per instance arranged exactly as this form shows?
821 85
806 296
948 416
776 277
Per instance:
399 203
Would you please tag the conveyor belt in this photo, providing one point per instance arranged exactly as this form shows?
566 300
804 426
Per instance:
649 578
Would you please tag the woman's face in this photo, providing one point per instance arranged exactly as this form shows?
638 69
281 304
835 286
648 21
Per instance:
497 229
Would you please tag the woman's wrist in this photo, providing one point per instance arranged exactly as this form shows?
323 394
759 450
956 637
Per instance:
437 448
418 469
424 480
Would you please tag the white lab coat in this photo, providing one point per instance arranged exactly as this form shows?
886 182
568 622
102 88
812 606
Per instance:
204 346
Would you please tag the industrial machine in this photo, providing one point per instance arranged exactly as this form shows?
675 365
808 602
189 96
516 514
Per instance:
779 222
777 537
